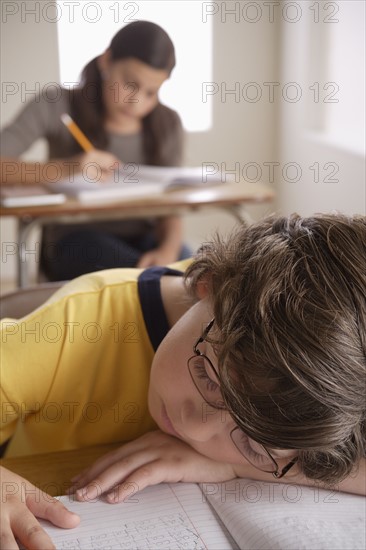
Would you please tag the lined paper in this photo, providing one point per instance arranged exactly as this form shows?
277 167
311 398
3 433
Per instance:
275 516
166 516
257 515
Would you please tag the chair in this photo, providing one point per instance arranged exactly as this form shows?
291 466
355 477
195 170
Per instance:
20 302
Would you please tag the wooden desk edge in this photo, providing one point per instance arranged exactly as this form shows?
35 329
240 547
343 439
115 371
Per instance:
52 472
214 196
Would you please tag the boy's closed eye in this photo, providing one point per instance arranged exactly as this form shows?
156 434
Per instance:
202 370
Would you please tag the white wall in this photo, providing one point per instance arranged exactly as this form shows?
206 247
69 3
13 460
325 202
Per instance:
243 132
29 61
322 134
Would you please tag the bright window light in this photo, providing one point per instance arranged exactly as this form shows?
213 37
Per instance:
85 30
344 101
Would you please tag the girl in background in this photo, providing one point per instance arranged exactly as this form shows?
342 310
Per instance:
118 109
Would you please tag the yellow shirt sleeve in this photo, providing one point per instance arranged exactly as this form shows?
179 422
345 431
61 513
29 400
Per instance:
75 372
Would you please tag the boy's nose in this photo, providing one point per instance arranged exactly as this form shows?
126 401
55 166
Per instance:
201 421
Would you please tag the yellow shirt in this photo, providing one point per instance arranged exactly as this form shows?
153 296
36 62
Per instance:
75 372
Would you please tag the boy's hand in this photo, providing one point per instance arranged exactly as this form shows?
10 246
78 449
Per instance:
153 458
21 503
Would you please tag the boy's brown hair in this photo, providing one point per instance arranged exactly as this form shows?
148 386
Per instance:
289 299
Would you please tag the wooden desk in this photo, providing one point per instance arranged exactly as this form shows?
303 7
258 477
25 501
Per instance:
52 472
229 196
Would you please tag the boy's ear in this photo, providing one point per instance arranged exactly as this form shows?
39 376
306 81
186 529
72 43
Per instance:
203 287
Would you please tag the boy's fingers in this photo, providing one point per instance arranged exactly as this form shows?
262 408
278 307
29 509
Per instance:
117 465
99 466
110 469
29 532
107 460
147 474
51 509
100 485
151 474
113 475
7 540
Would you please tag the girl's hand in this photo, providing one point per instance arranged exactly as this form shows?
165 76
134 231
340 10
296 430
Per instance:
153 458
169 234
21 503
97 165
156 257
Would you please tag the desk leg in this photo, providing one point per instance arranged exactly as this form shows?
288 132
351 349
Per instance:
25 226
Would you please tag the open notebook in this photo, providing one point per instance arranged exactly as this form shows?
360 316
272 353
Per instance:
241 514
135 180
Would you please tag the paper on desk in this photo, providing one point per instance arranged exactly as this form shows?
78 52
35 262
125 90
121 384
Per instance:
19 196
281 516
132 181
166 516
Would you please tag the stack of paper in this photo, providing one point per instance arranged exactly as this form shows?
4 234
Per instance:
11 197
133 181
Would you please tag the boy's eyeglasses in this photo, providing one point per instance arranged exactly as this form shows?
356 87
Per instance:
207 381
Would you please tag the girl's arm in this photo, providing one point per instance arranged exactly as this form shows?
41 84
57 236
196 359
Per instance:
16 172
38 119
96 165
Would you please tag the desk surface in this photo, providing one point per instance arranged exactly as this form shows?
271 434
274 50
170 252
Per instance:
52 472
232 197
222 195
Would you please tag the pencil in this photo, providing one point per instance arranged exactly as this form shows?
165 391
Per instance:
76 132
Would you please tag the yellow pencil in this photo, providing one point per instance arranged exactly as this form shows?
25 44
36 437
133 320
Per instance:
77 133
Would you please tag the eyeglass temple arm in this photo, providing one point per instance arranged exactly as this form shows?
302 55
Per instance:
278 475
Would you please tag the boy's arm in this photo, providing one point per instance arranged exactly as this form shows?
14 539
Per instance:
157 457
153 458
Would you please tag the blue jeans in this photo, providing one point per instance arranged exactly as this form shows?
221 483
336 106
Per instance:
85 251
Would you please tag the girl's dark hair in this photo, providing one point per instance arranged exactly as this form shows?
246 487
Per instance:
150 44
289 299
